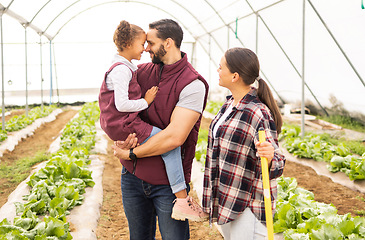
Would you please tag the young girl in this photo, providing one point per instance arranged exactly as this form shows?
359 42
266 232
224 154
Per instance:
120 101
233 191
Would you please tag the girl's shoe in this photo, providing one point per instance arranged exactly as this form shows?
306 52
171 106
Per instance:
187 208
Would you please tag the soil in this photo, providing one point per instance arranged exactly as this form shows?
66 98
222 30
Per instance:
12 114
113 224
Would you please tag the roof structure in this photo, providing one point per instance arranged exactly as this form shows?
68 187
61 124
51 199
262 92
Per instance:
309 50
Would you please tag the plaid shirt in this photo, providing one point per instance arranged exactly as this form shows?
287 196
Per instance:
232 178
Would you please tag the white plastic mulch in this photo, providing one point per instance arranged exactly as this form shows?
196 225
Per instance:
83 218
15 137
8 209
321 169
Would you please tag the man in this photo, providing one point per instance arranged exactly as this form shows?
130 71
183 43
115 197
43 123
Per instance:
177 109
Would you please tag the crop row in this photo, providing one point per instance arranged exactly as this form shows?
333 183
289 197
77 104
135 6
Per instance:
57 187
18 122
300 217
315 146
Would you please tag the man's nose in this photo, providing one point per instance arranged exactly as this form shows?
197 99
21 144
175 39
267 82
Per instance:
148 48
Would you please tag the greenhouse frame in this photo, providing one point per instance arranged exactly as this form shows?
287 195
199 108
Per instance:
308 50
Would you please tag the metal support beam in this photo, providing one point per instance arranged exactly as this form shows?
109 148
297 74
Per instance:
2 73
23 21
266 78
338 45
233 30
26 70
257 34
41 65
303 72
286 55
55 74
210 57
50 73
193 49
227 37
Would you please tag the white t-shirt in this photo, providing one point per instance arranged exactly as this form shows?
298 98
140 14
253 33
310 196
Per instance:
192 96
222 118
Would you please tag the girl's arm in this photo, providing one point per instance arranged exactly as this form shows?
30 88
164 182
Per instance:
121 76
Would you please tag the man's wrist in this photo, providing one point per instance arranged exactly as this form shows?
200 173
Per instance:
132 155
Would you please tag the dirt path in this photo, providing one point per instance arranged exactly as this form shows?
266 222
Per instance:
39 141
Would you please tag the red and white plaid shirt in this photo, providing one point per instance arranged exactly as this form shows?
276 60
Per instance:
232 178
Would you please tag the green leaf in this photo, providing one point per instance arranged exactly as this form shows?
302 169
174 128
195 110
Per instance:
54 227
326 232
347 226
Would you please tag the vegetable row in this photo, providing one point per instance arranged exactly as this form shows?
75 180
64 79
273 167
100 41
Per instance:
300 217
18 122
57 187
315 146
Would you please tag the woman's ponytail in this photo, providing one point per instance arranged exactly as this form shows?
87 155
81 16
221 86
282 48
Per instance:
246 64
265 95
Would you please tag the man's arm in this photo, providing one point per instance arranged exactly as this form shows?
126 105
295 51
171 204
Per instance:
173 136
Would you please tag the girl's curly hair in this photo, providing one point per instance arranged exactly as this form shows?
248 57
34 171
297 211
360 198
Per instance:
125 34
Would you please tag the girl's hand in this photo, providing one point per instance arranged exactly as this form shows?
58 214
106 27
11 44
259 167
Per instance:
150 94
121 148
130 142
121 153
265 150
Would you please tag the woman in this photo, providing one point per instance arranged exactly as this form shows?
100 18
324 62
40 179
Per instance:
233 191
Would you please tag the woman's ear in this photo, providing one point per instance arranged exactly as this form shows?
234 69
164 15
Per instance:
235 77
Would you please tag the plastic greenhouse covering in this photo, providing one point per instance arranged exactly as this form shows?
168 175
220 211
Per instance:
66 45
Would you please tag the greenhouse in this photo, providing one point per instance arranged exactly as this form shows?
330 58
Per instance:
54 56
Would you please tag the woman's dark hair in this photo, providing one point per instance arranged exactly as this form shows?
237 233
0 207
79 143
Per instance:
125 34
245 62
168 28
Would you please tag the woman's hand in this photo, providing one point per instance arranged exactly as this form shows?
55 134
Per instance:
265 150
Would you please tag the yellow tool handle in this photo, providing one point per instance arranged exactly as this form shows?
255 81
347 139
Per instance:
267 195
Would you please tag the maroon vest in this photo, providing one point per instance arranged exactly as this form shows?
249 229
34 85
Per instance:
171 79
118 125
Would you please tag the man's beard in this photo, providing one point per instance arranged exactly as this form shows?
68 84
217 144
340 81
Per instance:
158 55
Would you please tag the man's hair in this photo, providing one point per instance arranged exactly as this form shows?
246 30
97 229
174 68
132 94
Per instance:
168 28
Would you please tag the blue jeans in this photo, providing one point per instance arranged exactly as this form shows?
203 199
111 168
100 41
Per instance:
173 165
143 203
